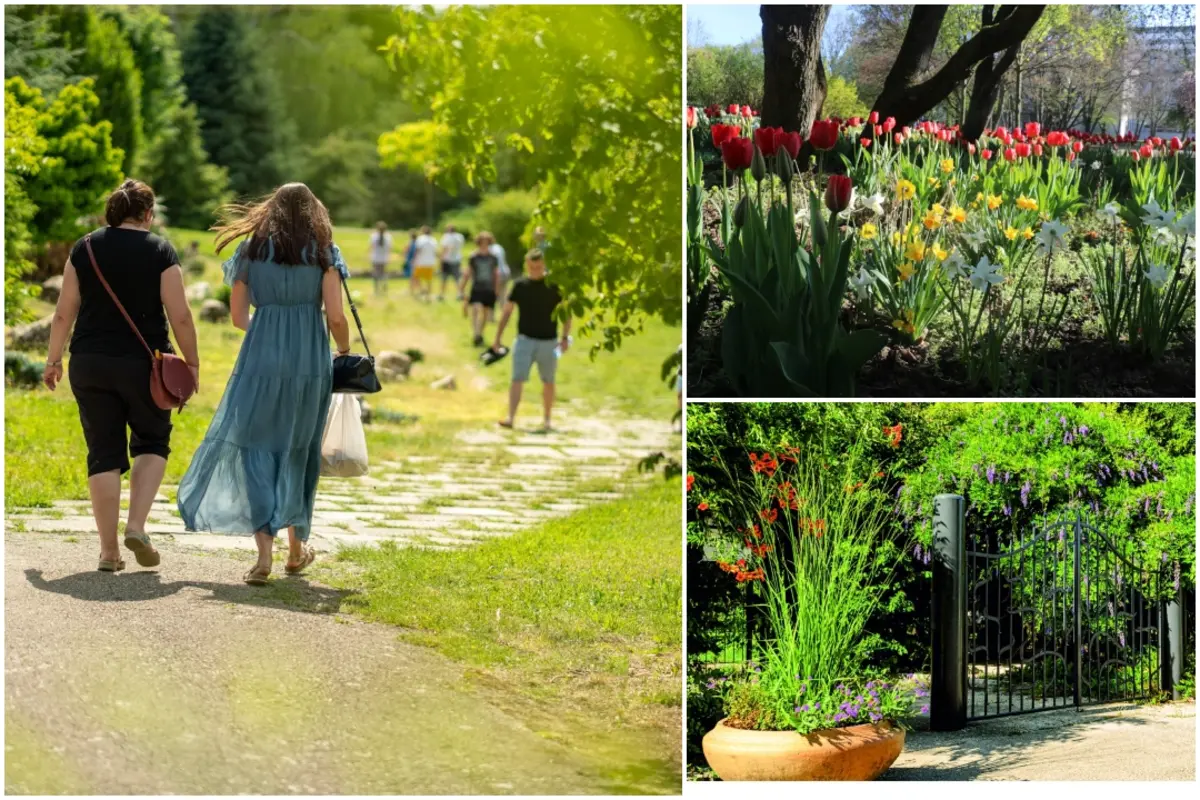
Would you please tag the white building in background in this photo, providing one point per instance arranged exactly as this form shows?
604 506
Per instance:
1159 59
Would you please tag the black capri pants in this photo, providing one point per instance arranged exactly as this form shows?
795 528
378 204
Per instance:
113 392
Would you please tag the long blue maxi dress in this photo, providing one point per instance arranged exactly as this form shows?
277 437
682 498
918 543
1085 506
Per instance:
258 465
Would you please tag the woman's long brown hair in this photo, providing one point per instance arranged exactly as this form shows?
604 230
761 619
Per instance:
291 217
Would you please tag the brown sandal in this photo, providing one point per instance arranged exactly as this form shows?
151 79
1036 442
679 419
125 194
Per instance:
307 557
256 578
111 566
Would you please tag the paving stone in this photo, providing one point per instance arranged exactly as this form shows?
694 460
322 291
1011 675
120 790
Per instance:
530 451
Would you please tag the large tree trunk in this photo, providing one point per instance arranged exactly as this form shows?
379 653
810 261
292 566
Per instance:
987 82
793 73
908 101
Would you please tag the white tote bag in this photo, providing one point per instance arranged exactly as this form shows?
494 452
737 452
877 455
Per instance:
344 445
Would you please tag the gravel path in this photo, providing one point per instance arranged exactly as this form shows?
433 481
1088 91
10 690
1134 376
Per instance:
185 681
1115 742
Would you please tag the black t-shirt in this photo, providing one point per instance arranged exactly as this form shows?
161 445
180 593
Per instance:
483 270
536 301
132 262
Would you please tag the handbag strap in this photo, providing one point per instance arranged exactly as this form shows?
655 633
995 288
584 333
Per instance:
354 311
87 242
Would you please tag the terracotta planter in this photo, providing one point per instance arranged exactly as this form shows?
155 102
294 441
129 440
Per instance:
857 753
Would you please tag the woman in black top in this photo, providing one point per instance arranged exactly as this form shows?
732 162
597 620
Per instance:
110 369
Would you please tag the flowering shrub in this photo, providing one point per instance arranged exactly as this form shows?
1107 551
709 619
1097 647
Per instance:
941 236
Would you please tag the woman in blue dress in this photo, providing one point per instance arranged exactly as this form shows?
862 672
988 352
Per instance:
256 471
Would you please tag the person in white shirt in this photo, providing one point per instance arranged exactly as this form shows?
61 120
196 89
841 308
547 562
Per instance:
497 250
380 248
452 248
425 259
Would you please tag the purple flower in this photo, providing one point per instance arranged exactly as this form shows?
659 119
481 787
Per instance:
1177 576
1121 638
1025 494
802 709
917 551
1007 475
976 468
875 716
1007 510
991 473
1084 430
925 709
816 706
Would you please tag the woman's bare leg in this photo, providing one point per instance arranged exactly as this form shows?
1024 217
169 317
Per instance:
105 491
144 480
266 546
295 546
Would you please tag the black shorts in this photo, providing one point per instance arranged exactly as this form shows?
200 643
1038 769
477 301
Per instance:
113 392
483 297
450 269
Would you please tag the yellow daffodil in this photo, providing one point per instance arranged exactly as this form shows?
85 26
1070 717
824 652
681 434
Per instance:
994 201
906 270
915 251
939 209
1026 203
905 190
932 221
905 324
954 181
979 197
1011 233
939 253
1027 233
868 231
934 182
958 214
947 165
895 238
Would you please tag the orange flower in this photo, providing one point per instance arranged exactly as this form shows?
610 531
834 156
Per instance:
757 533
770 514
893 433
702 507
878 474
690 480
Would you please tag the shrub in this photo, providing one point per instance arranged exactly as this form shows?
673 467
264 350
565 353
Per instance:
506 214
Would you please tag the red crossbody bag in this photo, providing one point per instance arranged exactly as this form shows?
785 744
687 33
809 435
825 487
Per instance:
171 381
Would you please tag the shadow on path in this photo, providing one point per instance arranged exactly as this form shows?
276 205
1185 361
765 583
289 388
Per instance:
293 593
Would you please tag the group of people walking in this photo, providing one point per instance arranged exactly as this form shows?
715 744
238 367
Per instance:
256 470
423 255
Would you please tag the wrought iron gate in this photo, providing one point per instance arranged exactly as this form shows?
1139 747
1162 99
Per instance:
1059 616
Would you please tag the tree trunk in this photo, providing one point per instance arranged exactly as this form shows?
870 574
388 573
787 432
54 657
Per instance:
987 82
793 73
1017 94
908 102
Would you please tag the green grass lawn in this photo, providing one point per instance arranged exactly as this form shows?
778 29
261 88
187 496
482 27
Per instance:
45 454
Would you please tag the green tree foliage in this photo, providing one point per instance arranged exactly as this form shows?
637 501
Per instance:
237 100
156 56
177 167
841 100
34 51
725 74
24 150
79 164
589 96
106 56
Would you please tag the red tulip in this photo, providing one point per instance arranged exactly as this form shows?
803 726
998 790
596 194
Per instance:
1022 150
838 192
888 124
1032 129
906 131
1010 154
1156 141
734 109
1000 132
985 154
723 133
767 140
790 142
971 148
824 134
1070 156
1146 151
1056 138
1037 149
737 153
1132 155
854 122
873 118
864 142
898 138
1077 146
747 112
1174 144
879 130
691 117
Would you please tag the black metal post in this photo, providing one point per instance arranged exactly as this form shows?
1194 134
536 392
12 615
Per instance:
948 695
1172 644
1078 611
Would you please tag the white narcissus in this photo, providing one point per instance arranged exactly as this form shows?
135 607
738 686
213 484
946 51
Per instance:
1157 275
862 284
956 266
1052 236
1156 216
875 203
1112 211
985 274
1185 225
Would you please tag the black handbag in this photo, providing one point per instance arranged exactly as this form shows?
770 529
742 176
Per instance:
353 374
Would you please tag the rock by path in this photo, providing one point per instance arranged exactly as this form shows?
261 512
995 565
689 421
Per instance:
185 681
494 483
1114 742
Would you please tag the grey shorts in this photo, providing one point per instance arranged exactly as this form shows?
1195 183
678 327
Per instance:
526 352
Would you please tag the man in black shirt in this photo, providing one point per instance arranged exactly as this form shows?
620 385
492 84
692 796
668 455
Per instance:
537 335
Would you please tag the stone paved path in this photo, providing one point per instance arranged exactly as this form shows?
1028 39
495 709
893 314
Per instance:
495 483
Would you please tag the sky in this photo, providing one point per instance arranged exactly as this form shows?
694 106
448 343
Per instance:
735 24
